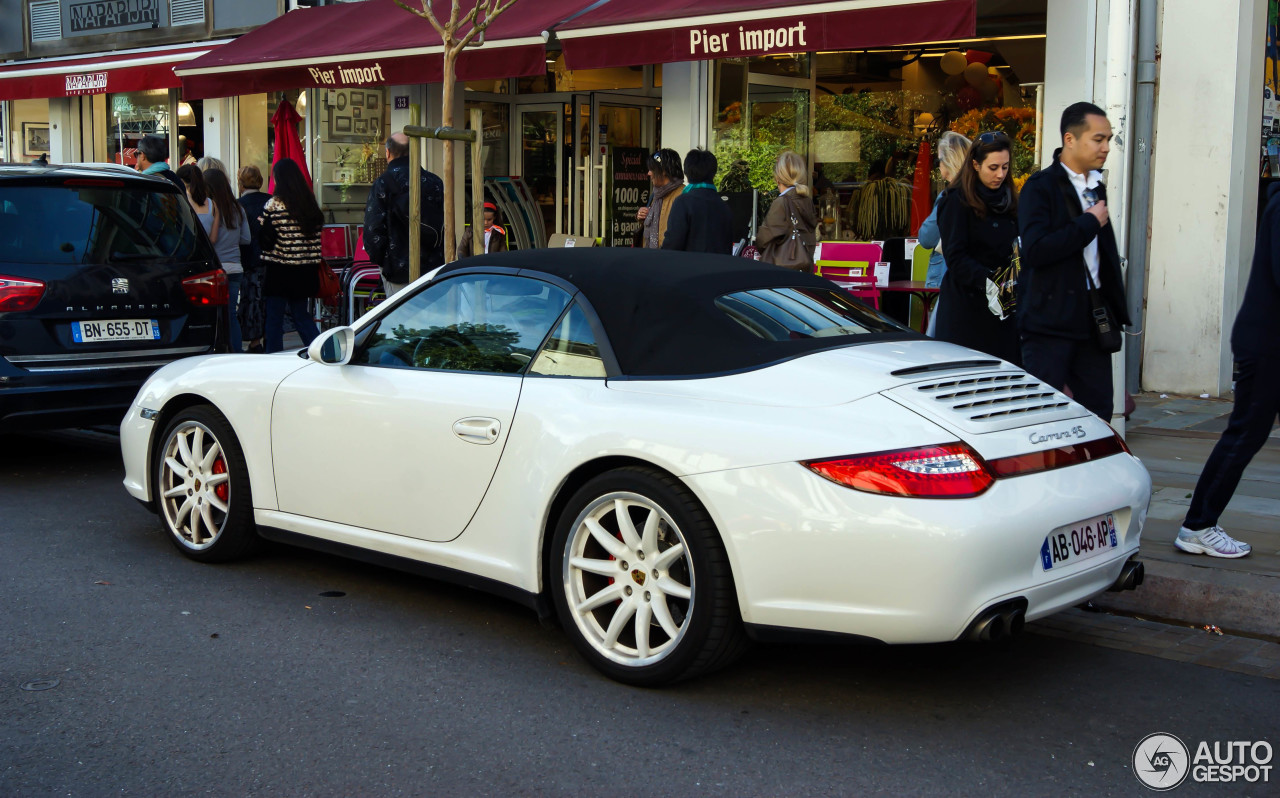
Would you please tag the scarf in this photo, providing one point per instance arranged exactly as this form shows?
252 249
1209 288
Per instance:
654 218
692 186
999 199
155 168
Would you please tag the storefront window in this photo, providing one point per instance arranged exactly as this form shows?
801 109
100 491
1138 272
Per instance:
27 130
787 65
488 86
135 114
753 123
352 134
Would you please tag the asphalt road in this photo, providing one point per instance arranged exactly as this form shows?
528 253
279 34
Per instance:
175 678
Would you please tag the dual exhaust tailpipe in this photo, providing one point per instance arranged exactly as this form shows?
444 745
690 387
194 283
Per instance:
1002 621
1131 576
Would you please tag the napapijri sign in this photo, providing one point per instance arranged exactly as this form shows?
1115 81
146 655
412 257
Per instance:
86 83
95 16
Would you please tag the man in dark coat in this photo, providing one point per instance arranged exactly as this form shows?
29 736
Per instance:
1255 343
1068 245
700 220
386 218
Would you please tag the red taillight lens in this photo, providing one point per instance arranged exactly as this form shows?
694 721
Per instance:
19 293
1057 458
949 471
209 288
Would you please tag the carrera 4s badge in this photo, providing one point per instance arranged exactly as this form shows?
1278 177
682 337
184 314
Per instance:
1049 437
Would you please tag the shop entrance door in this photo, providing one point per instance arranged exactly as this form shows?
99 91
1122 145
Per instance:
617 120
542 159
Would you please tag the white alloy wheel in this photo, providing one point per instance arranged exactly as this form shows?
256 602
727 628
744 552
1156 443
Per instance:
195 485
202 487
629 579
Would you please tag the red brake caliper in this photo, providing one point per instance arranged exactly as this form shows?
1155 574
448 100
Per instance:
222 491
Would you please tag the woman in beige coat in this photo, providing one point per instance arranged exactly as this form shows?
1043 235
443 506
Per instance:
787 238
667 176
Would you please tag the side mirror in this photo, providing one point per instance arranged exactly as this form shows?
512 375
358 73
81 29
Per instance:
333 347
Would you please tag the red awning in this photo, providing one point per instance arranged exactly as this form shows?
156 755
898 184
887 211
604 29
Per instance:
374 43
135 70
629 33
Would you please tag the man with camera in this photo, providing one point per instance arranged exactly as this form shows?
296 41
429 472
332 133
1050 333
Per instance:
1071 302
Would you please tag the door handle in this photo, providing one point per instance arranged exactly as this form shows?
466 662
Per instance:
478 430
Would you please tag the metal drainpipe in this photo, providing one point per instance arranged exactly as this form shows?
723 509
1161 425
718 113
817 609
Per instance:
1140 191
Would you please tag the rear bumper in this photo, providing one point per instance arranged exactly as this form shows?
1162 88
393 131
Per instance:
39 404
809 554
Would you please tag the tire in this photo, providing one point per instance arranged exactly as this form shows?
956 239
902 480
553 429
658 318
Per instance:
202 487
650 602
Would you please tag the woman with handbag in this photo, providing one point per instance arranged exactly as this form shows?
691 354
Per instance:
290 237
787 237
979 223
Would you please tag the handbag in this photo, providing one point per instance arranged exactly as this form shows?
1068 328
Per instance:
329 287
791 252
1105 332
1003 300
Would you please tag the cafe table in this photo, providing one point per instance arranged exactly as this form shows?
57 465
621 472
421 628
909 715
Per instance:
916 288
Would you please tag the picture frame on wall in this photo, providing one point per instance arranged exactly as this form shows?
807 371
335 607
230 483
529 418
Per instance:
362 127
373 101
35 138
357 98
342 124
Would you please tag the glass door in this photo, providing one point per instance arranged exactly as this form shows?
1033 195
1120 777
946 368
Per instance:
542 159
619 121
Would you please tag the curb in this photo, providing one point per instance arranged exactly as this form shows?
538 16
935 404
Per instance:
1189 595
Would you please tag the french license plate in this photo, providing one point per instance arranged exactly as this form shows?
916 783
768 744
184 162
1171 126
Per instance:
1077 542
88 332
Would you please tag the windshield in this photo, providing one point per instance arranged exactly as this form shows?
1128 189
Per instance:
96 221
787 314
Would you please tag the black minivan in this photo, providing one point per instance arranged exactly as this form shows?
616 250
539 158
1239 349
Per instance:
105 275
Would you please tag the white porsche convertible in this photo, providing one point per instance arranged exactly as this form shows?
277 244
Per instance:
674 454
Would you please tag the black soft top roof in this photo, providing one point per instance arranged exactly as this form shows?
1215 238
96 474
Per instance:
658 306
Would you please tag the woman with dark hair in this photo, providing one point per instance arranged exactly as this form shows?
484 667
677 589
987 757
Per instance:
198 196
233 233
667 178
979 223
291 223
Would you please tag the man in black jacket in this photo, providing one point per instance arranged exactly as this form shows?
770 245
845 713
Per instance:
386 218
1069 246
700 220
1255 343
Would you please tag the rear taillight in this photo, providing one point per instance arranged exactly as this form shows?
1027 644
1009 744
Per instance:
949 471
19 293
209 288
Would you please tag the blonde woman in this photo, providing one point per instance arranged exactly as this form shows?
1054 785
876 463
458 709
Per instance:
786 238
952 148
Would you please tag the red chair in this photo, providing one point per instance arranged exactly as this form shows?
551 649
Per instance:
361 255
334 242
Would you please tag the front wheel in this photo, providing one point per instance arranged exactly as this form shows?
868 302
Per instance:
202 487
642 581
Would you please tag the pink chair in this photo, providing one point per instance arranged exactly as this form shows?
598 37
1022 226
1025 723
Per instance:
334 243
361 255
861 285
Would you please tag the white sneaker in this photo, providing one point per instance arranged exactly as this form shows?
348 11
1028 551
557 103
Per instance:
1212 541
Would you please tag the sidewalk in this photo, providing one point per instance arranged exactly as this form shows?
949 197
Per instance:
1173 437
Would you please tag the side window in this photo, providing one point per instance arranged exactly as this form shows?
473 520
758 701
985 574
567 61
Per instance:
483 323
571 351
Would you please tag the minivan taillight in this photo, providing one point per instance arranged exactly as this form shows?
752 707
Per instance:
209 288
19 293
947 471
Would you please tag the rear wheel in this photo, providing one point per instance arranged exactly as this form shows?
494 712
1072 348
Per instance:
202 487
643 582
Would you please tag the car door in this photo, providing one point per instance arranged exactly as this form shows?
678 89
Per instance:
406 437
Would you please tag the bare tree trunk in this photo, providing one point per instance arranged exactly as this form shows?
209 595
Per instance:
446 119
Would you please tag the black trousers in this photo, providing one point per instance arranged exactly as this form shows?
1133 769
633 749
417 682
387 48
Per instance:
1067 361
1257 405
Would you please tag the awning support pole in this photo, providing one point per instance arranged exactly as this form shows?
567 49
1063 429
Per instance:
477 182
